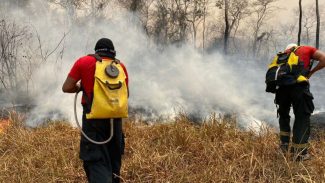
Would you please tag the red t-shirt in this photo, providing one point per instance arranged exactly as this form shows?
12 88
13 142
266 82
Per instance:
305 53
84 70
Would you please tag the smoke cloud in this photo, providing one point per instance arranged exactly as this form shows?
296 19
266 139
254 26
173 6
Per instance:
161 82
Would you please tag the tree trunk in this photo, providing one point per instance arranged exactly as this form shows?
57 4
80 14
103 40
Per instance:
134 5
194 34
226 36
203 31
318 24
300 19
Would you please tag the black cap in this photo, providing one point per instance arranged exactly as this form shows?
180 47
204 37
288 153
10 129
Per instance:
105 45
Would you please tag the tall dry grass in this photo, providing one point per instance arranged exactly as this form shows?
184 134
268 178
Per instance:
48 153
180 151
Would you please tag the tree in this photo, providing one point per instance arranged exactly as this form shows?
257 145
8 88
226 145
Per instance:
97 7
174 19
15 3
205 13
227 32
133 5
141 9
318 24
300 20
261 9
196 15
234 12
180 14
11 39
308 24
160 28
70 6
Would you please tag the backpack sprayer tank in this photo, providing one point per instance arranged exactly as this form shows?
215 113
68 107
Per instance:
110 95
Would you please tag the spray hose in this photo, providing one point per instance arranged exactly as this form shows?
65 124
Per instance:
83 133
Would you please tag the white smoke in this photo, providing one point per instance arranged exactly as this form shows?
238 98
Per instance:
160 81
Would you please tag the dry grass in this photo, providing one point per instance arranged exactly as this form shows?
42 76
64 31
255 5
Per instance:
45 154
171 152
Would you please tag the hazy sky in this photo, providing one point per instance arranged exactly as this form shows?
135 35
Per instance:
288 3
286 10
292 4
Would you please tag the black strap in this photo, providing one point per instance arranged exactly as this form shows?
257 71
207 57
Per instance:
117 61
99 58
311 64
96 56
293 49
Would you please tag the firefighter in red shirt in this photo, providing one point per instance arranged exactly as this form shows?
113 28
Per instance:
102 163
301 99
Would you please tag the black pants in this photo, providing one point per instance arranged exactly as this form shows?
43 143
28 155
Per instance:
101 162
301 99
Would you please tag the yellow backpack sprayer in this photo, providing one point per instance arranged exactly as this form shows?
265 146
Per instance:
110 97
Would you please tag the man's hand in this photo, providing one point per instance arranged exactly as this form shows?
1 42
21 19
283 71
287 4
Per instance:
78 87
309 75
71 86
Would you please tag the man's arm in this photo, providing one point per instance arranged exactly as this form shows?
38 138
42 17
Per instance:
320 56
70 85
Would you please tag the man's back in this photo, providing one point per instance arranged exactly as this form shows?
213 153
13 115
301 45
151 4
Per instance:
305 54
